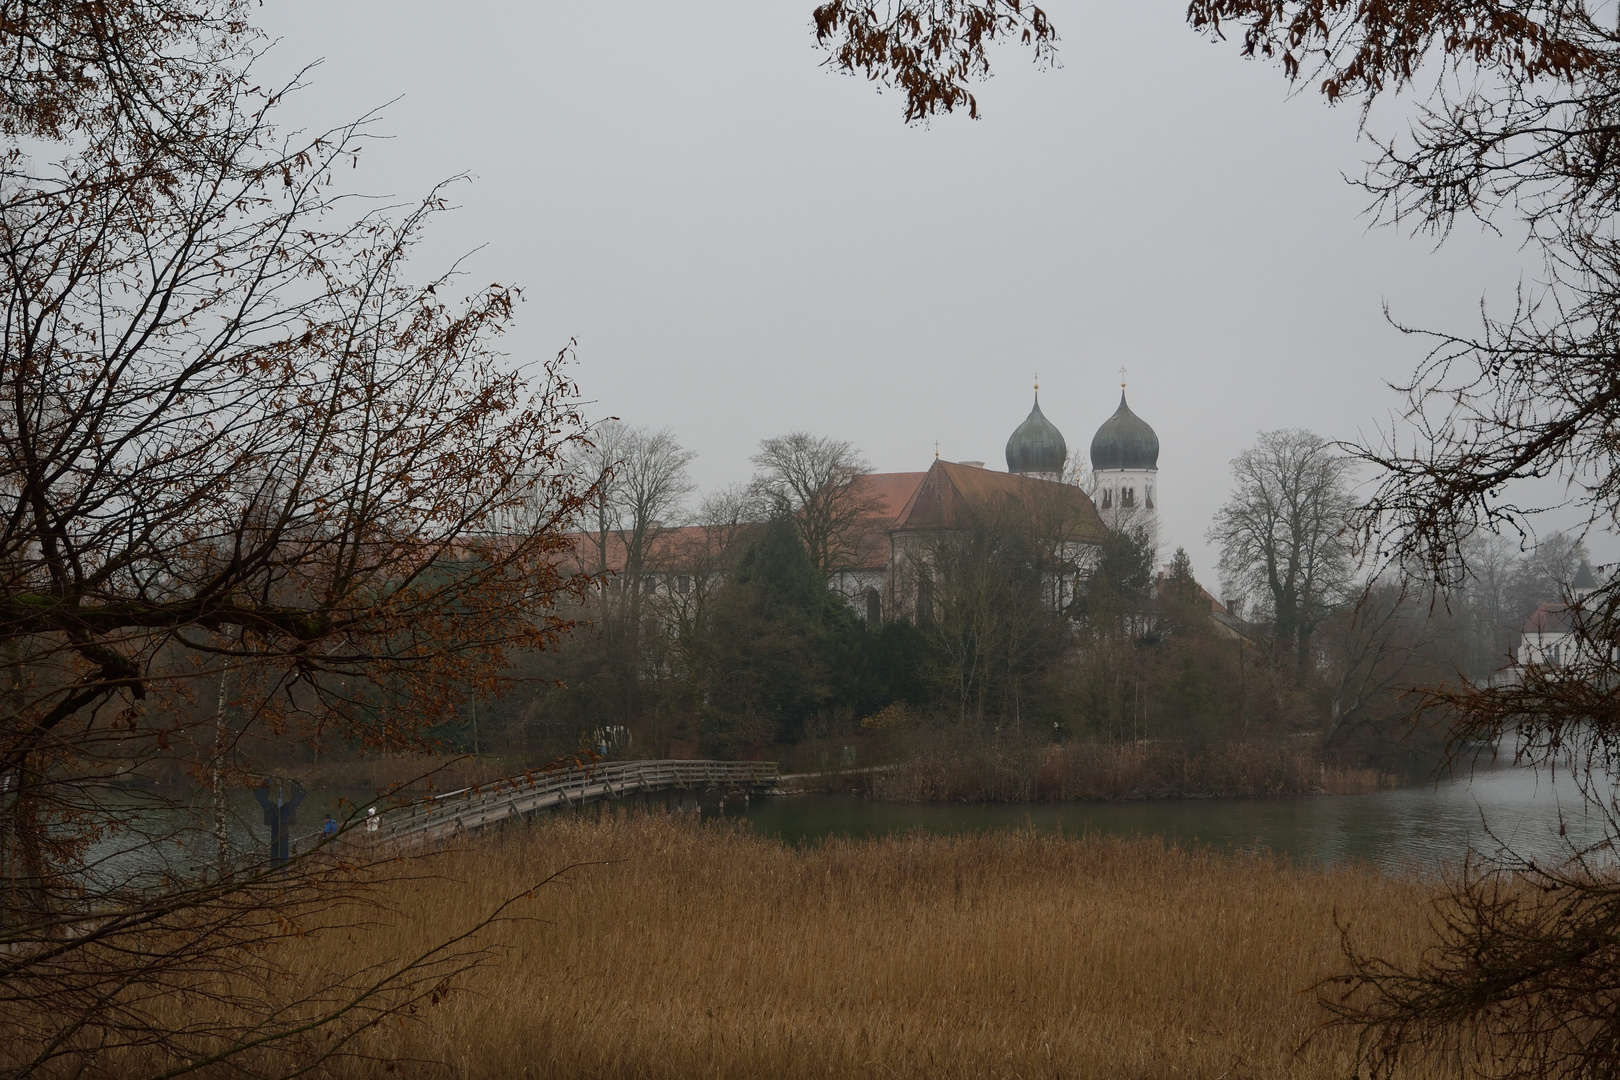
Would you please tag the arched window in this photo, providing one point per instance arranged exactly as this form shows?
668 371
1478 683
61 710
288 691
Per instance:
1127 498
1108 498
925 599
1147 494
874 607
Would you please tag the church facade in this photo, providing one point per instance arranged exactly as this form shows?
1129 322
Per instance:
910 517
888 573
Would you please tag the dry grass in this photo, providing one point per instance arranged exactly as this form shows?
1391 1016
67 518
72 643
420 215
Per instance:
704 951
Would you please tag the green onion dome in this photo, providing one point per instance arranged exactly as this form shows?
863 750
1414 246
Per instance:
1037 446
1125 441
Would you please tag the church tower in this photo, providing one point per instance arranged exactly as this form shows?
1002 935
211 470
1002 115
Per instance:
1125 465
1037 447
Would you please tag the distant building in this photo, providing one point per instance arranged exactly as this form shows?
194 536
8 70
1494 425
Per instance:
1125 470
954 497
909 512
1548 638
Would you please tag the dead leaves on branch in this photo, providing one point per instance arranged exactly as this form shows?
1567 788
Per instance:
931 51
1363 47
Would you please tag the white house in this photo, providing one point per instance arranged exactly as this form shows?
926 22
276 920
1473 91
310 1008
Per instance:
1548 638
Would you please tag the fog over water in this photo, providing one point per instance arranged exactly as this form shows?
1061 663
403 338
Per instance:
744 243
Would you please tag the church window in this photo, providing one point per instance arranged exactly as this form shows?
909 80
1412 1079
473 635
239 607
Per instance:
1147 494
1108 498
1127 497
925 600
874 607
683 583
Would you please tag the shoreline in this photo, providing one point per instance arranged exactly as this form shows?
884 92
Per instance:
1076 772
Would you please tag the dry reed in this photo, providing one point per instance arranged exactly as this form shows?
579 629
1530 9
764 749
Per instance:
705 951
1095 770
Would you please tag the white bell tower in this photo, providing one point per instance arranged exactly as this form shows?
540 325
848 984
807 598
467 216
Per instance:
1125 469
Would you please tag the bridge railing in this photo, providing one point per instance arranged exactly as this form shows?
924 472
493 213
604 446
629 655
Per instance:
475 806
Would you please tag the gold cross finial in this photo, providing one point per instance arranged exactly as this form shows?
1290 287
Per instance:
936 449
1122 376
1037 380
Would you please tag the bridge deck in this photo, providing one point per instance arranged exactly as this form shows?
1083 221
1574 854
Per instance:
475 808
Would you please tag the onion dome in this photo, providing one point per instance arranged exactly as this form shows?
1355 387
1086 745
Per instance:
1037 446
1124 442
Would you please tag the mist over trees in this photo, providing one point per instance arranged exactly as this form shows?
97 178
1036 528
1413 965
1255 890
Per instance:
719 629
1285 534
1513 127
1003 636
812 481
266 491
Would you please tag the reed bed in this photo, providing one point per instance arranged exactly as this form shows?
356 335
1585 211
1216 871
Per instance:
682 950
1096 770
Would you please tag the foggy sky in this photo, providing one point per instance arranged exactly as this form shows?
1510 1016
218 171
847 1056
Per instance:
746 244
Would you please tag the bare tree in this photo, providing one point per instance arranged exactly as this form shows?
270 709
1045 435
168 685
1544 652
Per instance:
1390 639
730 510
597 464
639 483
1284 533
994 590
1491 604
724 519
235 436
816 480
696 564
651 488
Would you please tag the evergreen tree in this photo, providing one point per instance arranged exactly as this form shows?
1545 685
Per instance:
779 646
1183 608
1116 598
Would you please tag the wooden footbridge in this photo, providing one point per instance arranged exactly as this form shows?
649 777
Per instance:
473 808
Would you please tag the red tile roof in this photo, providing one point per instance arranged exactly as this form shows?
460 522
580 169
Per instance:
951 494
906 500
682 547
890 491
1550 618
867 544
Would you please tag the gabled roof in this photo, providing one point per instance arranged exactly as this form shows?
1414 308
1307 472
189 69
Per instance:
1550 618
951 496
889 491
681 548
867 544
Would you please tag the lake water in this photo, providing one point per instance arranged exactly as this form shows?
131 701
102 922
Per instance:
1423 827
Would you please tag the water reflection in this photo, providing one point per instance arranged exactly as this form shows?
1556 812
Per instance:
1421 827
